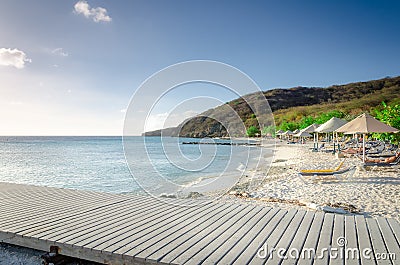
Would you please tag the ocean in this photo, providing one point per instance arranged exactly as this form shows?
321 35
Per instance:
99 163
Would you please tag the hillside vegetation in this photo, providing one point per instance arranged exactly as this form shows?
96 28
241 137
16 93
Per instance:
351 100
296 107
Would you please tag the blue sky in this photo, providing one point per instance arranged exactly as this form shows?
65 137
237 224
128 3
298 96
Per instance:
69 71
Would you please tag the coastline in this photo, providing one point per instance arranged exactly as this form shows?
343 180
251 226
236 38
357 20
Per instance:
212 186
276 183
371 192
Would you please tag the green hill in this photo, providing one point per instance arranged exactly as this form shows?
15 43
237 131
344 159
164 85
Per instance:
292 105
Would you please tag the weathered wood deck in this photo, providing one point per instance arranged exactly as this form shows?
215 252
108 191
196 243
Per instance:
121 229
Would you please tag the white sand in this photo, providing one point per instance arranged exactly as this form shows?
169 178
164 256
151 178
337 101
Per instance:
374 192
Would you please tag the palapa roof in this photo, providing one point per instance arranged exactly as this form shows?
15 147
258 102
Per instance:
330 126
302 134
288 132
311 128
365 123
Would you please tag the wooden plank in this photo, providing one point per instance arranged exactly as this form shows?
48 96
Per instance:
250 253
234 240
233 212
352 251
299 239
127 222
116 223
172 241
27 204
378 243
364 241
56 195
285 240
128 229
395 226
72 251
216 239
65 227
55 211
324 242
339 241
51 217
148 230
243 242
66 217
309 248
190 240
389 238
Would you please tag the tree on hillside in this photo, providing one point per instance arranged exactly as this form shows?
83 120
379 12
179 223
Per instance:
324 117
306 121
269 130
285 126
389 114
252 131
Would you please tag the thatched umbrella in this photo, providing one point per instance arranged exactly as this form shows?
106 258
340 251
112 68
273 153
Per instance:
279 133
312 129
330 126
288 133
302 135
364 124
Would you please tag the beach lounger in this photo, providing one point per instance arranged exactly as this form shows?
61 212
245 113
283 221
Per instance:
382 164
325 172
379 156
320 148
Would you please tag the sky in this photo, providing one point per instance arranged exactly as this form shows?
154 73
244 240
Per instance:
71 67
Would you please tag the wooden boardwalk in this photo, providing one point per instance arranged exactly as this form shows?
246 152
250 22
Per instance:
122 229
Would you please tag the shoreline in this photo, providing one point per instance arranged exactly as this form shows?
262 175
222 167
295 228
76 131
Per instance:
372 193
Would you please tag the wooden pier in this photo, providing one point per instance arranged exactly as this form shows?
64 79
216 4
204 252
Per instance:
125 229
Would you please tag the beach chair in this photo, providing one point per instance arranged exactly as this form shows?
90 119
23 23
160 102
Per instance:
382 164
325 172
320 148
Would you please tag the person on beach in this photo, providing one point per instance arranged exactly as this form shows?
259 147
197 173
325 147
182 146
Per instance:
387 160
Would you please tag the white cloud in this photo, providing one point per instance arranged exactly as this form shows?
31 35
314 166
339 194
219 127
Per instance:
155 121
98 14
13 57
123 110
165 120
60 52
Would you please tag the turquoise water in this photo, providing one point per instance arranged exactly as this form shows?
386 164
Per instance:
99 164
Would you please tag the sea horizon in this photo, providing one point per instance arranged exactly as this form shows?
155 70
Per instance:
98 163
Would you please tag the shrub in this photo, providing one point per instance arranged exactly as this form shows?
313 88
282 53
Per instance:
252 131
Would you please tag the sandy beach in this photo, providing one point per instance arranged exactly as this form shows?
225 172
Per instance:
372 191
